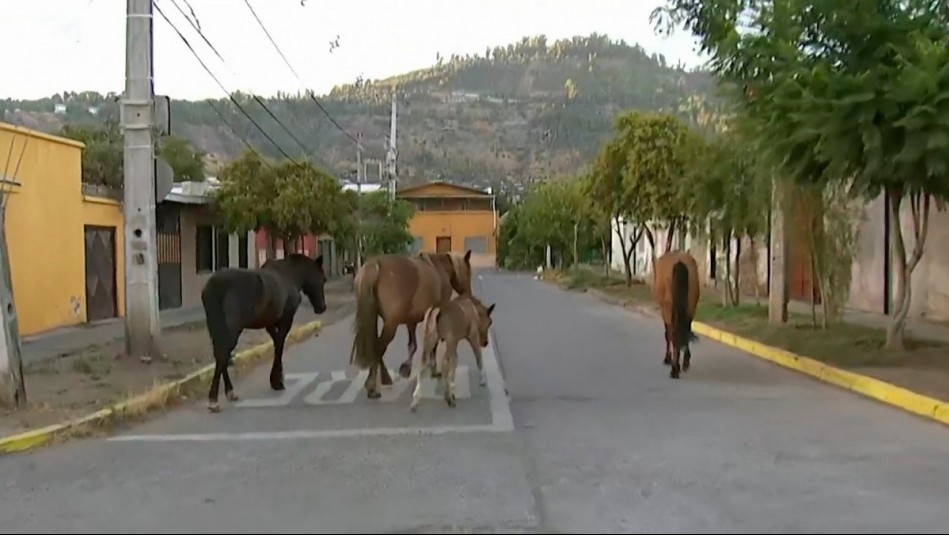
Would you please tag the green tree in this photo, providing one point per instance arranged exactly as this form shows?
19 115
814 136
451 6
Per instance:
853 93
286 198
384 224
732 193
608 194
103 155
656 148
185 161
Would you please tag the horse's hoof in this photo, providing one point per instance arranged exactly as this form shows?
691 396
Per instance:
214 407
232 396
685 366
674 373
278 386
667 361
451 403
374 395
483 379
386 380
405 370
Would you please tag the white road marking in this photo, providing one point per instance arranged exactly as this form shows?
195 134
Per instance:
300 382
325 433
337 376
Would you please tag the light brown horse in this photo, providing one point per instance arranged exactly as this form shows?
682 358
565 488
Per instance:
400 289
676 290
463 318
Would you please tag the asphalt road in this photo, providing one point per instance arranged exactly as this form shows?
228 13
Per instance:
595 438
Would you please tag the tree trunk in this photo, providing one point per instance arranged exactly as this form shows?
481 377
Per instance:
670 236
727 275
652 247
622 245
576 250
778 288
605 247
737 294
754 252
919 203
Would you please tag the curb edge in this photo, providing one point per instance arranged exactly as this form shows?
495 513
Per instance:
143 401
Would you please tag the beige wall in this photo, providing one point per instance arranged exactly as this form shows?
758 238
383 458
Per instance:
930 282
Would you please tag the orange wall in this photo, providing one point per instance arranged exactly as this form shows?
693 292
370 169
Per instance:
458 225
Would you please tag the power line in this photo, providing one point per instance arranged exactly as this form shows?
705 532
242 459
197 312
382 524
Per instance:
234 131
196 25
309 92
229 95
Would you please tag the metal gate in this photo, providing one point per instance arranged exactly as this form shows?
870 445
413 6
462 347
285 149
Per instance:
100 273
168 223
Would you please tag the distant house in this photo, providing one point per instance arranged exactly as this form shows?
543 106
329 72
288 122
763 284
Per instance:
453 218
59 108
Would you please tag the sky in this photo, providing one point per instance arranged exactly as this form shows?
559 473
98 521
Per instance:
51 46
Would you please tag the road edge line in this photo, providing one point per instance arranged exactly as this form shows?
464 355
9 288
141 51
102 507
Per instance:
145 401
870 387
498 400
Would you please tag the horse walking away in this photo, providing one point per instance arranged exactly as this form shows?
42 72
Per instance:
676 289
463 318
268 297
400 289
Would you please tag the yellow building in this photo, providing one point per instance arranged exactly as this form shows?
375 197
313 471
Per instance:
449 217
66 247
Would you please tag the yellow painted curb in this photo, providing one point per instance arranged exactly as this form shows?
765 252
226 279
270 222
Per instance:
155 396
882 391
868 386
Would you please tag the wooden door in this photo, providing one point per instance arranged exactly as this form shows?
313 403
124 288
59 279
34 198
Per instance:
443 244
168 223
101 291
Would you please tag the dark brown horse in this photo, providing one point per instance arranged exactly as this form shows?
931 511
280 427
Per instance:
676 290
400 289
265 298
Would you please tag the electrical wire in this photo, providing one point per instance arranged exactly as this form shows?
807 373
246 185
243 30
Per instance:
229 95
309 92
196 25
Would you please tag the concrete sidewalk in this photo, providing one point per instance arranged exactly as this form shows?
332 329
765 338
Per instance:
66 340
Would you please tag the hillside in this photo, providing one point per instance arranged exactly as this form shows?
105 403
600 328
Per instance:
517 113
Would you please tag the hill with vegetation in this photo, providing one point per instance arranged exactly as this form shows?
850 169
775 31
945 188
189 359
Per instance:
518 113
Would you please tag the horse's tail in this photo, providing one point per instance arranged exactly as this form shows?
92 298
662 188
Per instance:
681 319
213 296
365 328
429 338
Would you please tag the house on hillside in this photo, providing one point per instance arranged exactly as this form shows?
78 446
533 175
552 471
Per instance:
453 218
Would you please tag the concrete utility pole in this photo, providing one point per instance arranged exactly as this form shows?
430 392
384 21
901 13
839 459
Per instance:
359 178
12 385
142 327
392 152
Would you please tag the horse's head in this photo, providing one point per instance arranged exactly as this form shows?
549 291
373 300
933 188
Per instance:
460 274
312 279
484 319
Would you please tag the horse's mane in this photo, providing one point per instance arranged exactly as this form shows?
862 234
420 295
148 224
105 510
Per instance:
458 264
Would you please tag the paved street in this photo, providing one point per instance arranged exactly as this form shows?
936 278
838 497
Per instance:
595 437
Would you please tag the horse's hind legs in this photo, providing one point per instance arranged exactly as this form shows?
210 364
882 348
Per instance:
687 359
223 346
405 370
676 368
668 359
